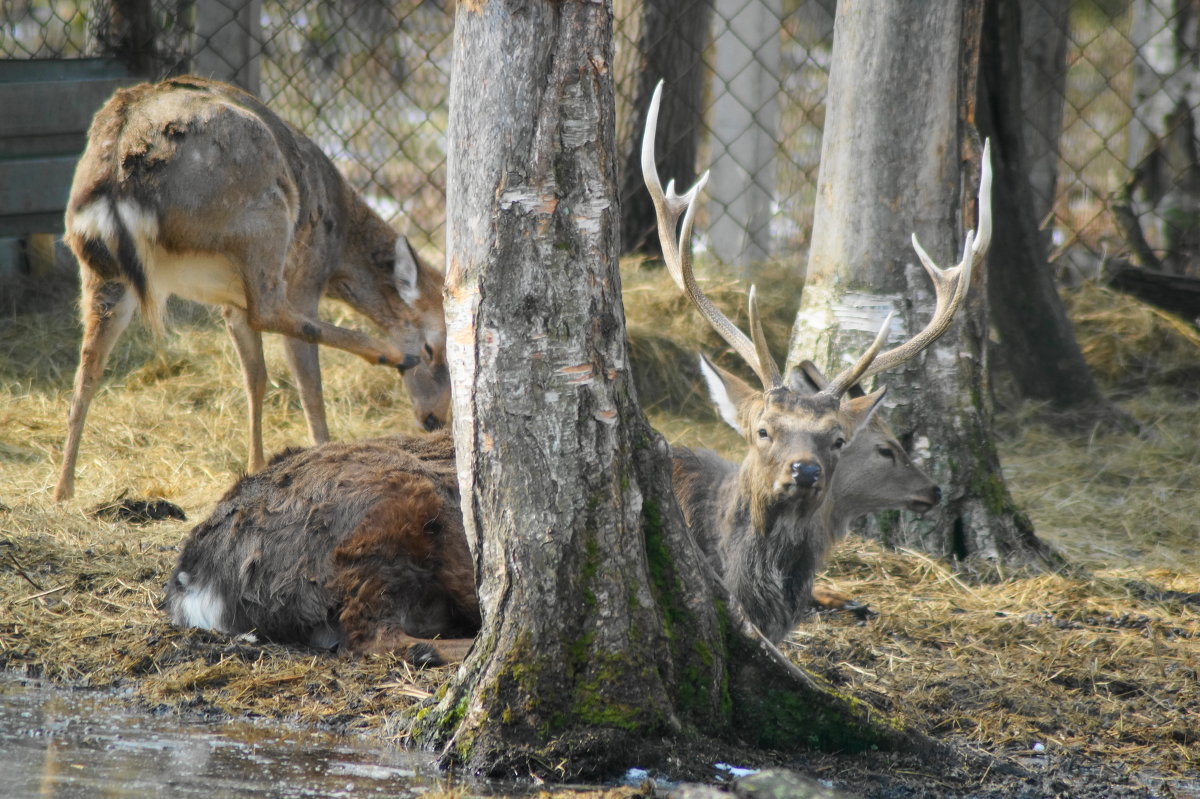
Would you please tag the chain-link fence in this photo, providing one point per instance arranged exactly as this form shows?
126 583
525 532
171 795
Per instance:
368 80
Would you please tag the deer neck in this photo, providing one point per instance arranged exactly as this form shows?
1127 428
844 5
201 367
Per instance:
770 551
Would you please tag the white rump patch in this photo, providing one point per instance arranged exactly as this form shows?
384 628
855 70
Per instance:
719 395
199 607
142 223
95 221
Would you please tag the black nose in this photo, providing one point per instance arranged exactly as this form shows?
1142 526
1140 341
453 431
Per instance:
806 475
937 494
409 362
431 423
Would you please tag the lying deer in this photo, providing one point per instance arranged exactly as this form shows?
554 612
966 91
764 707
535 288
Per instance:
194 188
361 545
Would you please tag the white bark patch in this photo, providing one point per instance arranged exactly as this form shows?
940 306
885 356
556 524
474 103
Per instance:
921 449
530 200
588 216
867 312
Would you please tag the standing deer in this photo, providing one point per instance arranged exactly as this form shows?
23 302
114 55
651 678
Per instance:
361 545
194 188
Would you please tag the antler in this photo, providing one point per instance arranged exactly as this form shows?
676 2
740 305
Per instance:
678 256
950 285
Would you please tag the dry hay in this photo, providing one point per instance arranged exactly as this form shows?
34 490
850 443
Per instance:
1093 666
1096 668
1128 342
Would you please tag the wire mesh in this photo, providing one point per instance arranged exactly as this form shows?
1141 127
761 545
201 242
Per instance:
368 80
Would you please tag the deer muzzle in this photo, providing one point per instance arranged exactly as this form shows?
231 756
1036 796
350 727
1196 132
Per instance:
806 474
922 502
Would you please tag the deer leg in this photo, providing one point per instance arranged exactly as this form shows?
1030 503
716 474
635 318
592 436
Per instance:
107 309
248 343
304 361
418 651
826 599
269 310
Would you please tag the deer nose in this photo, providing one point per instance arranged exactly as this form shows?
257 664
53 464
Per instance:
806 475
409 362
431 423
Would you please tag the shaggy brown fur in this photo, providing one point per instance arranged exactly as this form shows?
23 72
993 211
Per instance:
355 545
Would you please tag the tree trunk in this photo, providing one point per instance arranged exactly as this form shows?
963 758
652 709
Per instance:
1160 209
1044 28
671 46
604 630
128 31
891 164
1036 336
745 122
230 43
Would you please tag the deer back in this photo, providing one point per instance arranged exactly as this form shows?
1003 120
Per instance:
337 545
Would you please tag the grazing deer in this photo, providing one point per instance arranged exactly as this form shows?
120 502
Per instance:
361 544
194 188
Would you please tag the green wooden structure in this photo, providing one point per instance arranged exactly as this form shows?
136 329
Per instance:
47 106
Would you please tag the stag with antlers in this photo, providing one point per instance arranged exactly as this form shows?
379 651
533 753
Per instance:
768 522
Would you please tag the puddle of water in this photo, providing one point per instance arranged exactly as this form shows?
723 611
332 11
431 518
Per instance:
63 743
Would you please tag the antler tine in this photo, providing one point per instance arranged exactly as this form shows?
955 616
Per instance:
771 378
845 379
678 254
950 285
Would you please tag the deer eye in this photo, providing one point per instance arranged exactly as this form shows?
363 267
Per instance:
428 353
763 435
838 443
887 453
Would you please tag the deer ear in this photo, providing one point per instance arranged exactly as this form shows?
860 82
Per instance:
859 410
805 378
728 391
405 272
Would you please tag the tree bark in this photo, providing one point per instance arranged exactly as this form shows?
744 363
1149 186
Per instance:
1044 28
604 629
128 31
671 46
1160 209
892 163
1036 336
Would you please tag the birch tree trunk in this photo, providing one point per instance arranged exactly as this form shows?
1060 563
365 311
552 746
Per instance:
605 633
892 162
